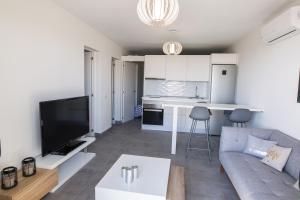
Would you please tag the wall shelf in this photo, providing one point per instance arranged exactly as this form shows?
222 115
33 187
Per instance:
71 167
69 164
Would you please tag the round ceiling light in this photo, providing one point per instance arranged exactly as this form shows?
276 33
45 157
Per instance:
172 48
158 12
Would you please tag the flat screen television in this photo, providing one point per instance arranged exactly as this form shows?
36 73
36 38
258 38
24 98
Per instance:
62 122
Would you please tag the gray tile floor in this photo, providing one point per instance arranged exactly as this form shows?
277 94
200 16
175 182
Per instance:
203 179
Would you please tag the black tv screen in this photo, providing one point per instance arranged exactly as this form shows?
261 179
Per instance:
63 121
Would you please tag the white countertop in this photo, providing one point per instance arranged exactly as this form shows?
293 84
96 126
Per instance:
185 102
212 106
219 107
175 99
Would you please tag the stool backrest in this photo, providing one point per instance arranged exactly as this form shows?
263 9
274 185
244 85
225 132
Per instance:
240 115
200 113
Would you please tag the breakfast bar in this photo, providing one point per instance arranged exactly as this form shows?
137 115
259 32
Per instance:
218 107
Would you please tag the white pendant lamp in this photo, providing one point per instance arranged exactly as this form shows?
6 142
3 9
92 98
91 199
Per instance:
158 12
172 48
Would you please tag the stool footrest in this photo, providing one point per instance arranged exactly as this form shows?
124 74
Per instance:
198 149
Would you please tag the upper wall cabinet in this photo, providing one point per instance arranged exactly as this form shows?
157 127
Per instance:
224 58
197 68
155 66
176 68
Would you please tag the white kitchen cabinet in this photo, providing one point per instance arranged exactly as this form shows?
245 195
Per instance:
168 123
176 68
197 68
155 66
168 119
224 58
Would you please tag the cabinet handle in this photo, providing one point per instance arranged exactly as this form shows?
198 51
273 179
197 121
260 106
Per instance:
152 110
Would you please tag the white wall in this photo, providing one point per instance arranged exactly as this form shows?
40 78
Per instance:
268 78
41 58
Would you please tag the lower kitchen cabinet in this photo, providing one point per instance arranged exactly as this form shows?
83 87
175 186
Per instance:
184 122
168 119
168 123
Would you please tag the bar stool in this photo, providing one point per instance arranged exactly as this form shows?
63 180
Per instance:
240 117
199 114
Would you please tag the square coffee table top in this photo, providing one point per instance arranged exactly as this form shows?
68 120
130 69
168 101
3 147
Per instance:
153 175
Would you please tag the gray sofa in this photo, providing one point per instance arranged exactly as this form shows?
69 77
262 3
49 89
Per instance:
252 179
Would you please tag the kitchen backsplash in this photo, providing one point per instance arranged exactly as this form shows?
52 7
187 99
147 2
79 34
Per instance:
175 88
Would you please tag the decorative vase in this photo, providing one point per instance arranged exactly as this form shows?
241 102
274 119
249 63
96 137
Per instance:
9 178
28 167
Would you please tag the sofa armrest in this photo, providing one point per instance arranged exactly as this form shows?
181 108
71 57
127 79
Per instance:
235 139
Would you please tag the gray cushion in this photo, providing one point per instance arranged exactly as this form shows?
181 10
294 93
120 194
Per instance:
235 139
254 180
258 147
293 164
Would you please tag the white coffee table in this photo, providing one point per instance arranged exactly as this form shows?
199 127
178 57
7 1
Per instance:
152 183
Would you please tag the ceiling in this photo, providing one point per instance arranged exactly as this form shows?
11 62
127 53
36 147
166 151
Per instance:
201 25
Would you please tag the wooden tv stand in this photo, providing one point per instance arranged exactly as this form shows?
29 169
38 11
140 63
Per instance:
32 188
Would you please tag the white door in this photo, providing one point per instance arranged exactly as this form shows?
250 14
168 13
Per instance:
117 90
88 84
155 66
176 68
129 90
197 68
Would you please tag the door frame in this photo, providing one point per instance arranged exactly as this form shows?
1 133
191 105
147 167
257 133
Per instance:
123 84
92 88
117 90
118 84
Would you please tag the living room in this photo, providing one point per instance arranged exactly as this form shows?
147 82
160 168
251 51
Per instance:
150 99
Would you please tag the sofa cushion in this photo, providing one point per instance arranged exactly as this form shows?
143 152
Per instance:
297 185
258 147
277 157
293 164
254 180
235 139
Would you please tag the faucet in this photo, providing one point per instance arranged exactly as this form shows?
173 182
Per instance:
196 92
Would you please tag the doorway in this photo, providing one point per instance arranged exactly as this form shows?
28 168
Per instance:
88 84
140 84
129 90
116 90
127 84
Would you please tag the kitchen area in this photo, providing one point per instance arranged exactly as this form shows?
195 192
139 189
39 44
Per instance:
173 85
186 79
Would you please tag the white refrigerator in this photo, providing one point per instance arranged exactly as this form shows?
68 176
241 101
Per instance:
223 86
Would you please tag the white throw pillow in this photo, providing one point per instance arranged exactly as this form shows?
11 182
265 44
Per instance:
277 157
297 185
258 147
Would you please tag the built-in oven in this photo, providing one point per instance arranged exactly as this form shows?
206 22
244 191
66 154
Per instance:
153 114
